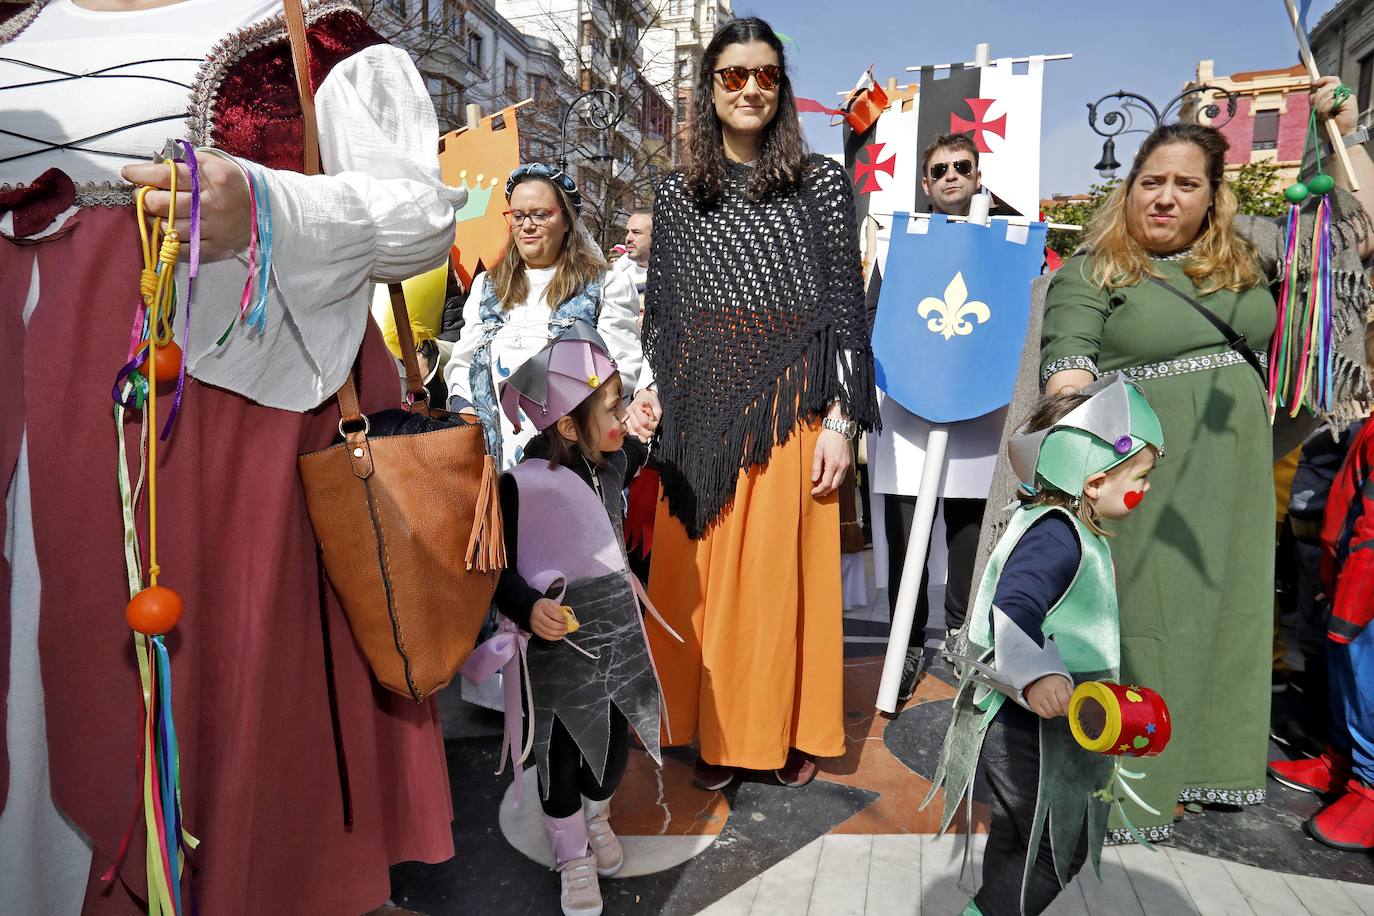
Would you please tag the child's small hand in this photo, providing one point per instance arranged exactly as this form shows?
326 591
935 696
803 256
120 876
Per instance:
547 620
644 414
1049 696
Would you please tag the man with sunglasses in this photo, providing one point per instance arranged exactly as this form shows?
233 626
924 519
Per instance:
950 178
949 173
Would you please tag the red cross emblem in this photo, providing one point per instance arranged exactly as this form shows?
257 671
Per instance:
865 173
979 107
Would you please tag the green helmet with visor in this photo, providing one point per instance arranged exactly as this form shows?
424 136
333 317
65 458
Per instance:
1109 428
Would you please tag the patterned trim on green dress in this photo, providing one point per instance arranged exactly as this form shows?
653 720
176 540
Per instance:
1185 364
1224 796
1069 362
1159 833
1120 836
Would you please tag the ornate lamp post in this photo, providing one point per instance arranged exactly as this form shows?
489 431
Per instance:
1127 106
599 114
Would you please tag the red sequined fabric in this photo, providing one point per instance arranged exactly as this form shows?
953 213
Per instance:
257 114
36 205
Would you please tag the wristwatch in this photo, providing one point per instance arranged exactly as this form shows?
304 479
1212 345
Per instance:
1356 137
847 428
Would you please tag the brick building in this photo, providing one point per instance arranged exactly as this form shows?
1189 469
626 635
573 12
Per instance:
1271 116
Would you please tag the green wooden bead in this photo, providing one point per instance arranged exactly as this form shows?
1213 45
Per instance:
1321 184
1295 192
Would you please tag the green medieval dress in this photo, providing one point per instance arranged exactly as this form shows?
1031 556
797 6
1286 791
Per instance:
1194 563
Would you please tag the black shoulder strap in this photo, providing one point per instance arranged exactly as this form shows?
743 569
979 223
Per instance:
1234 339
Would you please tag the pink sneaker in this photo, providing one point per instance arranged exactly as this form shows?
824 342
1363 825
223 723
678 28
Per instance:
602 839
581 895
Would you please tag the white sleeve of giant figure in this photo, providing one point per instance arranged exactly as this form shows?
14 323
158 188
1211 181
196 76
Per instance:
379 213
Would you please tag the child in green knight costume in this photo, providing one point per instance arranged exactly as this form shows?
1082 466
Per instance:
1044 619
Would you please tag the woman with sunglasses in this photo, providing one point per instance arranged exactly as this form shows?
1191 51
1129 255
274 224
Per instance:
756 335
552 274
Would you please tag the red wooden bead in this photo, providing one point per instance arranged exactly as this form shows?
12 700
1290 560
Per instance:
153 611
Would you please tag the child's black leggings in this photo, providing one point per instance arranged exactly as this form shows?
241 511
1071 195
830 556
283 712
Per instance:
570 777
1011 765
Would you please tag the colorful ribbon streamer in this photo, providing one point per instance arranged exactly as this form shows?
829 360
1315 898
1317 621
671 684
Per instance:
1302 352
166 838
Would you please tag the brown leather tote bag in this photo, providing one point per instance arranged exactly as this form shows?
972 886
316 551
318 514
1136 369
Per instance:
405 508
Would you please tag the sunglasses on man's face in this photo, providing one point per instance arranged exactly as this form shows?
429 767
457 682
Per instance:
736 78
962 166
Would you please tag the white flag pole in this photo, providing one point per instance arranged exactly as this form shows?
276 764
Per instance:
923 519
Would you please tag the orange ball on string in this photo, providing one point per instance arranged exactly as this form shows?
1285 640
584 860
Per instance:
166 363
153 611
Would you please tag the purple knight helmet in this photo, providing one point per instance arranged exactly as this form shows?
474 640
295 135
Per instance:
555 380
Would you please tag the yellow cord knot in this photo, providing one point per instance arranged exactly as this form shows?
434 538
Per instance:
171 248
147 286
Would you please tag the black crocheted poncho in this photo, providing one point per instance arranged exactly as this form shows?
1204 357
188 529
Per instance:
754 320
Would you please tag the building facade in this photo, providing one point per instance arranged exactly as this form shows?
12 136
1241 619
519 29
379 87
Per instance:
469 54
1271 118
602 46
684 30
495 52
1343 45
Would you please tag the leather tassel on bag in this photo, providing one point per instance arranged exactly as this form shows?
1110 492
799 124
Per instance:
487 544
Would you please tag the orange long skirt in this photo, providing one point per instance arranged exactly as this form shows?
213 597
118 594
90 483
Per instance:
759 605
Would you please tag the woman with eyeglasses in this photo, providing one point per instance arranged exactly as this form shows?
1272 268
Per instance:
552 274
756 335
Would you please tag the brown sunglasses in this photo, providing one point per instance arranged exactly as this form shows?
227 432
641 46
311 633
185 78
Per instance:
736 78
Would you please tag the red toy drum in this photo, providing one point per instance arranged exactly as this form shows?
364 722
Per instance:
1119 719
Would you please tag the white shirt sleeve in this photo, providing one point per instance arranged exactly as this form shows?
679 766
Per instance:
456 373
646 377
380 213
618 325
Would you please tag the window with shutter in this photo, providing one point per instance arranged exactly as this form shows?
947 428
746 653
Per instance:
1266 135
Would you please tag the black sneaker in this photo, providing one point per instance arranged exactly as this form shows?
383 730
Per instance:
913 668
954 645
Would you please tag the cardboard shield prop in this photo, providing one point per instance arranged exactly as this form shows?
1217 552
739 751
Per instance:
952 314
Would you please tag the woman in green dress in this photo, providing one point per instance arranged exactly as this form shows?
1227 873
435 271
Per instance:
1195 567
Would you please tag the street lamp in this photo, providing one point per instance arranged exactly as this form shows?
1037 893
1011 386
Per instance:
1107 165
600 114
1129 105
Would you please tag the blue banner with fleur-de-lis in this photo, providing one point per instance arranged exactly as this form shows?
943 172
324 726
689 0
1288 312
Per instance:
952 314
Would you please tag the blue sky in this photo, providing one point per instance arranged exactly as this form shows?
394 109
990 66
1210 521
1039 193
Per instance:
1151 48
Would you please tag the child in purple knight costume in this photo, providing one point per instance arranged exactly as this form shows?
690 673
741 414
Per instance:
589 671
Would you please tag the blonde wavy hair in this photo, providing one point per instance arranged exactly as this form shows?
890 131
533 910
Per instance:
579 262
1219 258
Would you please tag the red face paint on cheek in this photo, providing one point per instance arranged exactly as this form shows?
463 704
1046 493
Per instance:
1133 498
615 435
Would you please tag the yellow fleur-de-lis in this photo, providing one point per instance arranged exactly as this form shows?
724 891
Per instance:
953 310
